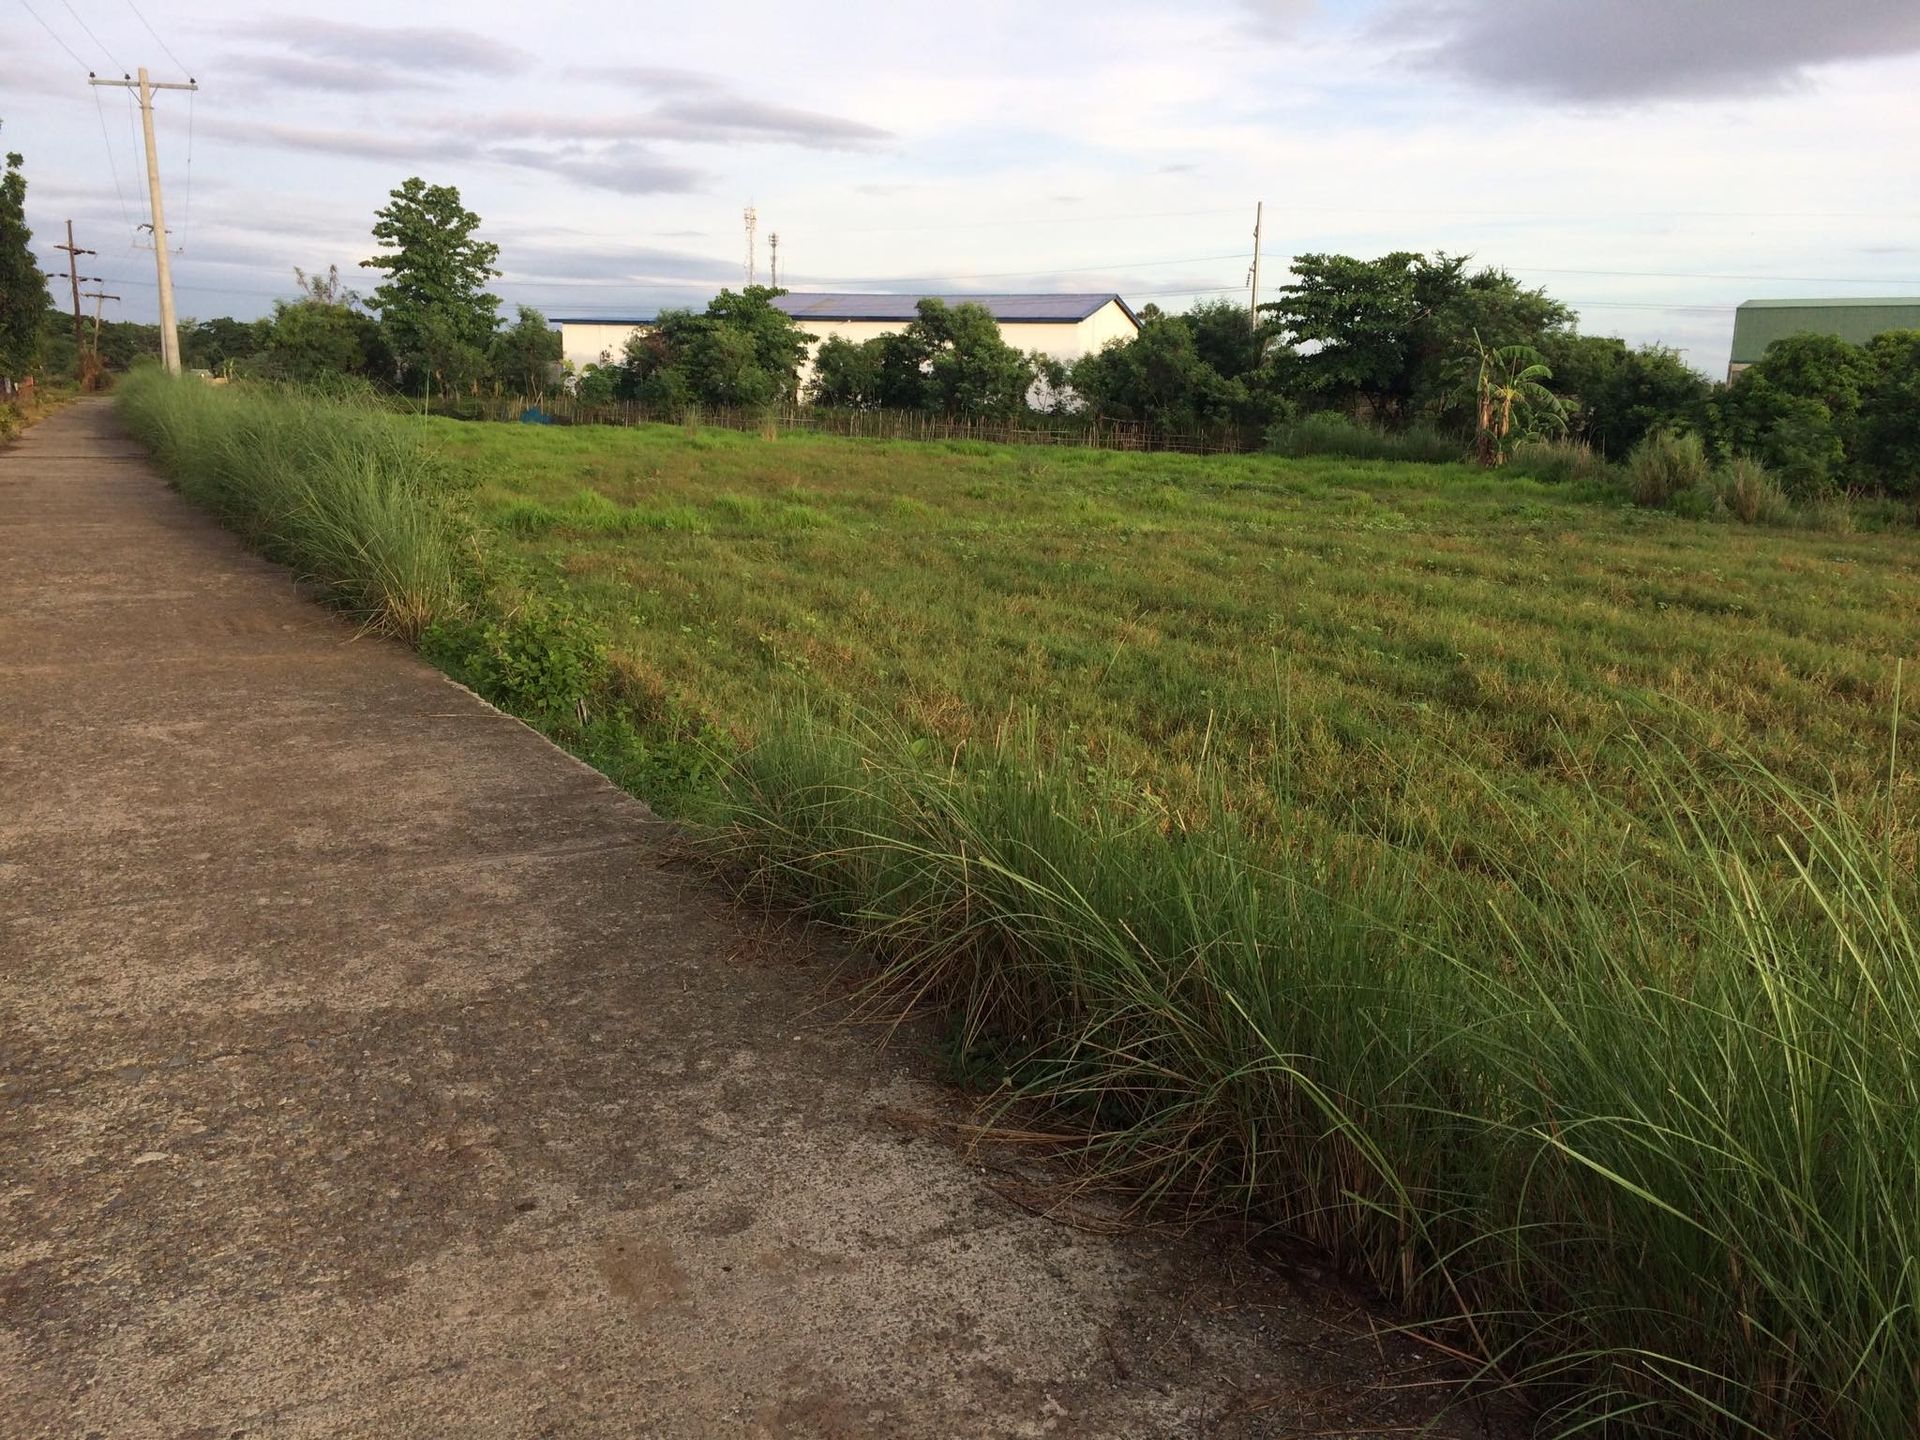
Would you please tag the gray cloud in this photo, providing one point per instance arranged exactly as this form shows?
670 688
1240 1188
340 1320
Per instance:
647 77
1605 50
340 77
404 144
627 169
401 47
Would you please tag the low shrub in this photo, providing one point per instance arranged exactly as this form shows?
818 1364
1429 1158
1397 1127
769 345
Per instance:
1331 433
1665 466
1559 462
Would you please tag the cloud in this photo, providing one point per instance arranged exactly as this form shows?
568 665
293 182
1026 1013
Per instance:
1607 50
624 168
340 77
397 47
646 77
402 143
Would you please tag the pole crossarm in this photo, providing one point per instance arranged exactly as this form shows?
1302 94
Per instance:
127 82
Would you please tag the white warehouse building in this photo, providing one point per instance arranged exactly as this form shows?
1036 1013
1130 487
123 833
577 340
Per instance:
1064 327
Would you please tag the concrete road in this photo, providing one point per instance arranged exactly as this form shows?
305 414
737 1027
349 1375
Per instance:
365 1071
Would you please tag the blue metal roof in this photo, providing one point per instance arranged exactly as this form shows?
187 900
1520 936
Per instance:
1018 309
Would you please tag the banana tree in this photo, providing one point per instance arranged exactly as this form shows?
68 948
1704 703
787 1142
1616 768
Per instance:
1507 389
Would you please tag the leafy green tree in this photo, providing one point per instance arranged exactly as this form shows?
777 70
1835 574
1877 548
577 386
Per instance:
1889 424
1616 396
743 350
1225 336
1159 378
971 372
213 344
845 376
526 353
23 290
1798 409
1387 332
433 305
322 336
597 385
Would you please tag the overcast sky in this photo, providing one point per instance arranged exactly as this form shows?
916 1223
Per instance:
1651 161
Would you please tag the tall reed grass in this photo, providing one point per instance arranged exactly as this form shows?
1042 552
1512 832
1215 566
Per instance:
1652 1154
1331 433
338 491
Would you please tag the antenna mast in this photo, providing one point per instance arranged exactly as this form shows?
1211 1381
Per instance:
753 224
773 259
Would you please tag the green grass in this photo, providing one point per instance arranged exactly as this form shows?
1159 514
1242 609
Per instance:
1512 893
342 493
1509 891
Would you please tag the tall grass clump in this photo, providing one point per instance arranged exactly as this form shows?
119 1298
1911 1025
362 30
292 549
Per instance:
1750 494
1331 433
339 491
1664 466
1559 461
1652 1156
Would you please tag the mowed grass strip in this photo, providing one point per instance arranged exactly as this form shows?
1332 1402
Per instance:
1427 657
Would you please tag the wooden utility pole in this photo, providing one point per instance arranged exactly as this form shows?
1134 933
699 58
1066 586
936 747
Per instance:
1253 293
74 252
96 296
162 261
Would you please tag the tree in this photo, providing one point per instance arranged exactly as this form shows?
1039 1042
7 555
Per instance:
1889 433
743 350
212 344
1508 387
1616 396
971 371
433 305
23 290
1159 378
324 335
1387 332
526 352
1798 409
845 375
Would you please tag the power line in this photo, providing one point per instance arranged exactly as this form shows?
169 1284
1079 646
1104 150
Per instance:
1700 275
157 40
113 166
55 36
91 36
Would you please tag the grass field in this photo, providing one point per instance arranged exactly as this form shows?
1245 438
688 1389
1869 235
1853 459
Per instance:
1425 656
1509 890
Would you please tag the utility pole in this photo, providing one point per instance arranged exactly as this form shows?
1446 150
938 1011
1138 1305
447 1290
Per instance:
773 260
162 261
96 296
74 252
1253 296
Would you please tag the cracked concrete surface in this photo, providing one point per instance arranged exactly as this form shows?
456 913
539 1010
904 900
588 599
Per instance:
364 1071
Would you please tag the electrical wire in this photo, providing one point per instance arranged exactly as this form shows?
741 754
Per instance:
164 49
54 35
93 37
113 166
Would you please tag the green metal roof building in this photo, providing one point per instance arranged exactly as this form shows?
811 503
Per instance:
1758 323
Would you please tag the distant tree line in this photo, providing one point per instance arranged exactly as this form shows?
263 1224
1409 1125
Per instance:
1414 353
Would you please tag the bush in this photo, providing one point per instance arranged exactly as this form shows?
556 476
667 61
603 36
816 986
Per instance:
1331 433
544 660
1665 466
1750 493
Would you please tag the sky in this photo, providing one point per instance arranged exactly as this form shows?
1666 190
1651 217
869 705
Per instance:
1651 162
